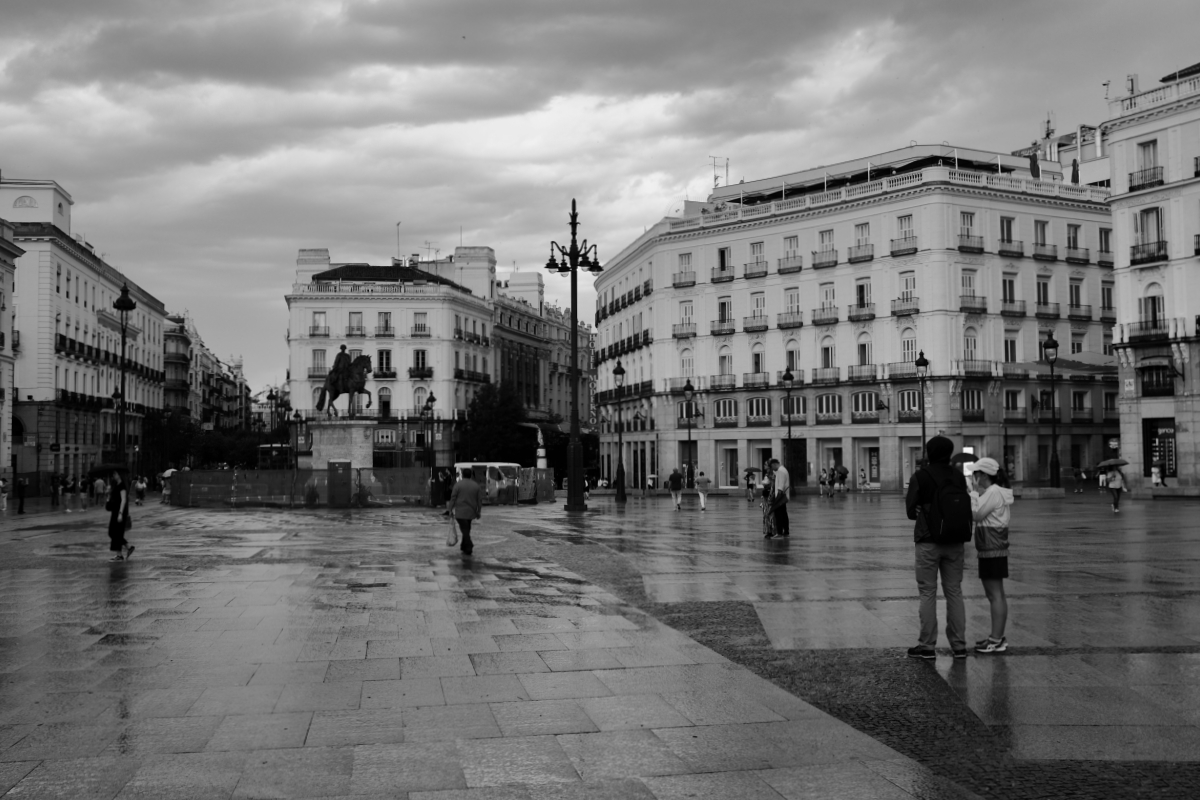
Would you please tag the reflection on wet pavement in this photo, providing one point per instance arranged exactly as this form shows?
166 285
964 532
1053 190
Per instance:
290 655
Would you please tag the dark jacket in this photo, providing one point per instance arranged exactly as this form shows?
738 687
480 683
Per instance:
466 500
675 482
921 490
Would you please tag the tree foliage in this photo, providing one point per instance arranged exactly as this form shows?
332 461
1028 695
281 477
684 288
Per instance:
492 432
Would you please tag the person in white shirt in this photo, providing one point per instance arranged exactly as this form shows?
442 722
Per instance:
703 482
780 493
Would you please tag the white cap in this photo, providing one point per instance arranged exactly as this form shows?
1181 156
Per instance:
988 466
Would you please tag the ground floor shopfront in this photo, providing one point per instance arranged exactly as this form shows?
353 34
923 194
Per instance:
877 457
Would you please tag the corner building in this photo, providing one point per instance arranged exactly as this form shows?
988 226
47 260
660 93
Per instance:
844 274
1153 145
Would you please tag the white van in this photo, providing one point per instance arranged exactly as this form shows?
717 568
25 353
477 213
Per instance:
501 480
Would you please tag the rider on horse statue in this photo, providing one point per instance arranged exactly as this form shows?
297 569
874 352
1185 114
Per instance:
347 376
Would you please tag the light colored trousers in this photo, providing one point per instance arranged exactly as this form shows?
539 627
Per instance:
946 560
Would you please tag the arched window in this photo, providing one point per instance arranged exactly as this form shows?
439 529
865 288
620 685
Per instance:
687 364
796 407
864 407
725 361
725 412
419 398
829 408
792 358
1150 305
908 345
866 355
385 402
828 353
970 344
758 411
758 358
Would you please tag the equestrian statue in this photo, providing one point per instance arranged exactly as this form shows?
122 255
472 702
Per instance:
346 377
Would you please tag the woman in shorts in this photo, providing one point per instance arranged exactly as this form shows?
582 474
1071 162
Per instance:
991 501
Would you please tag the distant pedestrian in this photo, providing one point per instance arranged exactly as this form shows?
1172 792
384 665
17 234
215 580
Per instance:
768 513
781 490
675 484
1077 478
55 488
991 502
466 506
3 494
862 480
841 479
20 495
99 489
822 480
938 502
139 490
702 485
166 492
1116 485
587 490
749 486
118 521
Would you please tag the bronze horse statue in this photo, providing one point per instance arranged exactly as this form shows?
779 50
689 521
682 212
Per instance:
352 381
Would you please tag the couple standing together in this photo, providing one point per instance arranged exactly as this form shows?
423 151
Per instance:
776 493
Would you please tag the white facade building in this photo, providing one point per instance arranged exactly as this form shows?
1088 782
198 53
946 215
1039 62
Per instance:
68 365
9 253
843 275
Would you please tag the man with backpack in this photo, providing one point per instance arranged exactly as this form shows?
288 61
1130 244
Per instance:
940 505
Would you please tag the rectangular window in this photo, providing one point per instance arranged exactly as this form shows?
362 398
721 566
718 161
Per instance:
862 292
1147 226
828 356
793 359
972 399
685 311
828 297
1008 229
1106 296
1075 292
419 358
725 364
829 404
318 359
790 245
687 364
419 321
970 345
795 406
1073 237
1008 289
1105 240
725 409
904 226
384 357
685 262
724 259
792 300
1010 350
724 309
910 400
864 402
908 285
1078 401
1012 399
758 407
864 354
756 251
355 354
1147 155
1041 230
384 320
966 220
758 362
908 348
862 233
318 319
1110 401
826 239
758 305
1076 344
1043 292
968 283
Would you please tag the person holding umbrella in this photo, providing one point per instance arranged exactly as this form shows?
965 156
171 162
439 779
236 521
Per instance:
1116 480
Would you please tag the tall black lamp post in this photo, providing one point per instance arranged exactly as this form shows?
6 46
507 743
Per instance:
123 304
619 381
922 365
788 379
272 398
689 392
1050 351
426 419
574 257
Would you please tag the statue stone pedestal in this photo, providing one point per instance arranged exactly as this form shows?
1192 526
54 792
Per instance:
342 440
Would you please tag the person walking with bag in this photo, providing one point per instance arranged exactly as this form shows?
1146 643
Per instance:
465 506
938 503
991 502
118 522
1116 485
781 490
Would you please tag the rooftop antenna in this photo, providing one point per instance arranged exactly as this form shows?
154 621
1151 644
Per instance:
1105 85
429 248
397 240
716 180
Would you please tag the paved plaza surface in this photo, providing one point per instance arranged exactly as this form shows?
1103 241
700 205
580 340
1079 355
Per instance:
630 651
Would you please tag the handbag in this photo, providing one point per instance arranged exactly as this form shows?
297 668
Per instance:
452 534
128 522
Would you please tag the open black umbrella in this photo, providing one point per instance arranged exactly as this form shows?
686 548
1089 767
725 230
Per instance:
963 458
1113 462
843 470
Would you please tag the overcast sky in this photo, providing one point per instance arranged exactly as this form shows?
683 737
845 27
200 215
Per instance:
205 141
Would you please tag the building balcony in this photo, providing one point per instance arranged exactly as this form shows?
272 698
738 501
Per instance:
1148 330
354 331
725 422
975 367
472 376
681 280
755 269
168 358
790 319
972 304
902 370
861 312
1013 370
1082 416
676 385
1046 310
722 327
970 244
1147 253
1080 312
683 330
458 334
177 385
789 264
420 332
1196 167
1104 258
1014 415
1046 414
318 372
756 380
1158 383
824 259
1011 248
725 275
974 415
1196 245
824 316
648 287
1146 178
863 372
1012 308
420 373
829 418
797 378
1108 314
16 340
908 415
758 420
756 322
864 417
860 252
905 306
1078 255
904 246
793 419
386 374
318 330
722 383
1045 252
827 375
385 331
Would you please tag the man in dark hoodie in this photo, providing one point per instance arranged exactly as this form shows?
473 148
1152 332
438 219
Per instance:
934 558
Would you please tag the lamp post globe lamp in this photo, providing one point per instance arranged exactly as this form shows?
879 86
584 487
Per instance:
124 304
689 392
922 365
1050 352
619 382
427 419
570 260
788 379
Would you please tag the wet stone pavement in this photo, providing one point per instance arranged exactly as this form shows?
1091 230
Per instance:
633 652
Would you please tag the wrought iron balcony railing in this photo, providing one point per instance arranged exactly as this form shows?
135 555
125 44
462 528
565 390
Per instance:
824 316
790 263
722 327
905 306
1045 252
756 322
970 244
861 312
789 319
1145 178
905 245
1078 255
1079 312
1147 253
724 275
1010 247
1012 308
823 259
1046 310
683 279
860 252
755 269
972 304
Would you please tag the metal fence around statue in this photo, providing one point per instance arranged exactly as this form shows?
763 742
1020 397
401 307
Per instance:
372 488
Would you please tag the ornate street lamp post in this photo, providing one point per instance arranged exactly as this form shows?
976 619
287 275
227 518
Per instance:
689 392
1050 351
123 304
922 365
426 418
619 380
574 257
788 379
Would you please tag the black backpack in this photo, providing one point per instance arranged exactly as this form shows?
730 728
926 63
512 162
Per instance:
948 517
